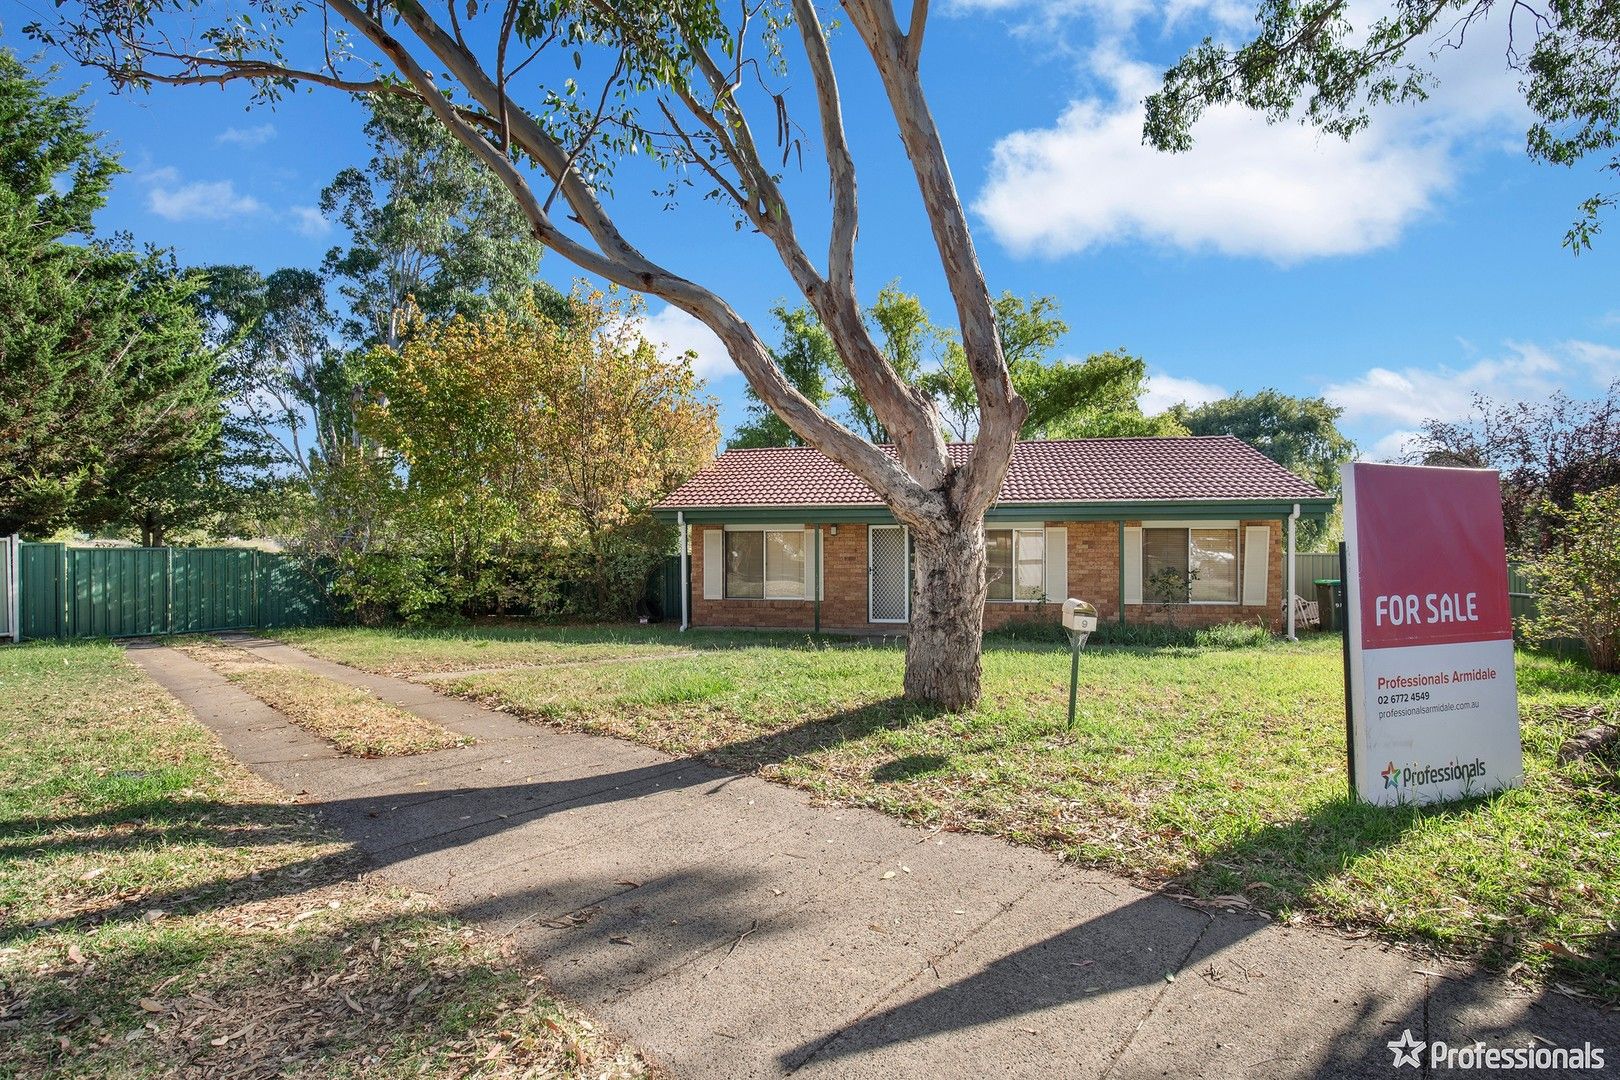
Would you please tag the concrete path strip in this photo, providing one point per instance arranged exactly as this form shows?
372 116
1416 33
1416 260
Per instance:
730 929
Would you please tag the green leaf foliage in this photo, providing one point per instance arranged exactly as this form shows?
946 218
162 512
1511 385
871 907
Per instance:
1577 580
1068 399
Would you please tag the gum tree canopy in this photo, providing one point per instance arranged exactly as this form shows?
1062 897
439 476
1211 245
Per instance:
549 94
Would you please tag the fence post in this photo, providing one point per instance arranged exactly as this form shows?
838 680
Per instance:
14 587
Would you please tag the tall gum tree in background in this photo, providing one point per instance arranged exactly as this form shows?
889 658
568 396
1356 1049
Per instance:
512 96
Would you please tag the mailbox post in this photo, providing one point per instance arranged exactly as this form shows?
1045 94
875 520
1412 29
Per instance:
1079 619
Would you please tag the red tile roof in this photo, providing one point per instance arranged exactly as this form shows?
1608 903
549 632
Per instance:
1217 467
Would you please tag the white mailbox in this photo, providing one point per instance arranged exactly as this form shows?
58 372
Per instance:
1079 617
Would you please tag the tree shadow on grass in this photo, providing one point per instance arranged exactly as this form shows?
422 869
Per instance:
327 978
909 767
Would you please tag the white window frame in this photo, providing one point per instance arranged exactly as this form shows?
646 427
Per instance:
804 592
1015 528
1234 527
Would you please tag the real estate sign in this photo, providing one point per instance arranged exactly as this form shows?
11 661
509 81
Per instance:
1434 710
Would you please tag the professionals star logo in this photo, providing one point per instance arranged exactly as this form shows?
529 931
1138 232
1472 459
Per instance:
1407 1050
1391 775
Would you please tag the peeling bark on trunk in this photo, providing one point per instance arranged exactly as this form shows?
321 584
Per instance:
947 618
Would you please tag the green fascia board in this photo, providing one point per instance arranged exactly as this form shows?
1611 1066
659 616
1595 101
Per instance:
1192 509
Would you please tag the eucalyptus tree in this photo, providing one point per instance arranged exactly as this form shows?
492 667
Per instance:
549 94
426 223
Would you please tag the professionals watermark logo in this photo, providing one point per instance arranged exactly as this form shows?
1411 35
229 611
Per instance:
1407 1050
1420 775
1530 1056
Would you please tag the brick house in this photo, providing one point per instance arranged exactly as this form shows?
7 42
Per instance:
785 538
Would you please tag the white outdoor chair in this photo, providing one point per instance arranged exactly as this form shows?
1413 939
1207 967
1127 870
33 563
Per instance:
1307 612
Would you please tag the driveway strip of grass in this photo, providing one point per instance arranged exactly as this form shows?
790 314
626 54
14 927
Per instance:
354 720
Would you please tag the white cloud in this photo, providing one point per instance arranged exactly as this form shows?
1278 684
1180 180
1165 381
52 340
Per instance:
1284 192
216 200
162 174
677 332
1160 391
246 137
309 221
1411 395
1385 407
1392 447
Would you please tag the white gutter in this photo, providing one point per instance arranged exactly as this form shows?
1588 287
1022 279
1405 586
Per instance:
680 523
1292 518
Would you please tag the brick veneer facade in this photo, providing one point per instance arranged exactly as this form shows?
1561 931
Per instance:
1093 566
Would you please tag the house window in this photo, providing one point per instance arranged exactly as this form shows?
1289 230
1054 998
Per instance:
1016 563
1210 556
764 564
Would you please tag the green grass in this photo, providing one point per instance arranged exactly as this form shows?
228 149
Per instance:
436 650
1218 771
163 913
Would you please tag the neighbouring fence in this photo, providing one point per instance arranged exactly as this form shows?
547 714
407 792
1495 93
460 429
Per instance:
1311 565
66 592
664 591
8 587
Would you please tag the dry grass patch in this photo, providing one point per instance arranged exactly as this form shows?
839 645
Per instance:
164 913
354 720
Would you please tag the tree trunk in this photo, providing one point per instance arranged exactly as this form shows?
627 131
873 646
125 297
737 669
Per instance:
947 618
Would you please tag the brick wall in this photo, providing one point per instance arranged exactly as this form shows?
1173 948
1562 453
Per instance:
1093 565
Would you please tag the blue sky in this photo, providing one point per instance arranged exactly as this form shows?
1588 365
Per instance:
1396 274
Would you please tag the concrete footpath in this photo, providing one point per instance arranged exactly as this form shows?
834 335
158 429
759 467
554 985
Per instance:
730 929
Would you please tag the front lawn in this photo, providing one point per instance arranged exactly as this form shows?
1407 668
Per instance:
1220 771
163 913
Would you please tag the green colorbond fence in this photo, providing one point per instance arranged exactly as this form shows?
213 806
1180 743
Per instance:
71 592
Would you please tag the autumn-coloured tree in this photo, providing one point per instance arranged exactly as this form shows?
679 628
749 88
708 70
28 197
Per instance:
518 429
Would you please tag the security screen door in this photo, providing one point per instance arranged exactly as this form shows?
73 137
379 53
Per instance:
888 574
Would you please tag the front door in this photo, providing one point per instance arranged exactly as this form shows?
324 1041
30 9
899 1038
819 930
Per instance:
888 574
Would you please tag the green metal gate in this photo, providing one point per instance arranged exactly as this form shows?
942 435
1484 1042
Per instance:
135 592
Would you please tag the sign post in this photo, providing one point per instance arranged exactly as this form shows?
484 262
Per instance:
1433 706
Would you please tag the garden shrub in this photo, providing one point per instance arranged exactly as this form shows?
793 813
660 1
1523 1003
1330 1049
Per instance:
1577 579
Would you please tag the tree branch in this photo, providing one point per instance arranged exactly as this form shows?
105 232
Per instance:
1001 410
914 35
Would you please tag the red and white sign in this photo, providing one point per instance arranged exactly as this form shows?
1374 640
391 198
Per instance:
1434 709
